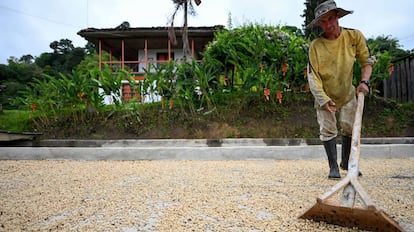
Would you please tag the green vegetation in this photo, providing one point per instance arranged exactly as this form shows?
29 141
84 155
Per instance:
16 120
232 118
251 83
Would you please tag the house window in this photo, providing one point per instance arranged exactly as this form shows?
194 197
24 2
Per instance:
162 57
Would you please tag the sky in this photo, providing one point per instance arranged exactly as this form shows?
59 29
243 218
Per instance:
28 27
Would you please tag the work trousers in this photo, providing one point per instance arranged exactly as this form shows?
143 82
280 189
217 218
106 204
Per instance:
328 124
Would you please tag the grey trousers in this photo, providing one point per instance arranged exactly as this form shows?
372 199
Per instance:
328 124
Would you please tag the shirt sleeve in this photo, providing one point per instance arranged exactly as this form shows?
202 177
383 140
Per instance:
363 54
315 81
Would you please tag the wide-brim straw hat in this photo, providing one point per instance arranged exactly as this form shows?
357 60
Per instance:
324 8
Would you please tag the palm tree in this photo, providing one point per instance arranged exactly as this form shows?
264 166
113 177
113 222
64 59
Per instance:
188 7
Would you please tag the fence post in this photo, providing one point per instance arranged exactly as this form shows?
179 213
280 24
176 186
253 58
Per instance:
400 84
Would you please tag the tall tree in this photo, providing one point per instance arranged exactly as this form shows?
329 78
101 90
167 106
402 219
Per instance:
64 46
388 44
188 7
64 58
15 76
309 15
27 59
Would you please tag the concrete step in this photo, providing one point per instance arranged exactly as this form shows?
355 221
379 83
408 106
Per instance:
228 142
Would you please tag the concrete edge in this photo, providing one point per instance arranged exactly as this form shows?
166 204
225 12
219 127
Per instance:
387 151
227 142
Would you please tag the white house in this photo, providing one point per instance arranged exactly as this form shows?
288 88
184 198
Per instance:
136 48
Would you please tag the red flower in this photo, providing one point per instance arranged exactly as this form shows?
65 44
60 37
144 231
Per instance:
279 96
391 68
33 107
285 67
266 92
171 103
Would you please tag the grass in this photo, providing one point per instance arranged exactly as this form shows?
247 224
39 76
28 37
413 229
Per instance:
16 120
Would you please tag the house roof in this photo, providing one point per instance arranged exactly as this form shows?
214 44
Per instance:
134 38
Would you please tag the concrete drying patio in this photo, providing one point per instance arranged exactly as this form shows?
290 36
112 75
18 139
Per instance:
189 185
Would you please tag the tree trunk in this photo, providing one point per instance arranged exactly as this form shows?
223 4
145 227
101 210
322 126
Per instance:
186 44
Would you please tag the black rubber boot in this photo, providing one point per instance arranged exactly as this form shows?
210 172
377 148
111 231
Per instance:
346 150
330 148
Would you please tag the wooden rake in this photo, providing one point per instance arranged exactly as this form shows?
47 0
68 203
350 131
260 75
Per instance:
367 217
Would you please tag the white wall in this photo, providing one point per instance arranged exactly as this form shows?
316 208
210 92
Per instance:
152 54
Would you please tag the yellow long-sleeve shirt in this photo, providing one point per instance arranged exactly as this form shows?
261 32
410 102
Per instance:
331 66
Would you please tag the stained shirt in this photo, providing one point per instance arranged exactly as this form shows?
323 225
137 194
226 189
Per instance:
331 66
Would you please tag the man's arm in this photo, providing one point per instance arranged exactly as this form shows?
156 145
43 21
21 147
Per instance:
367 62
364 85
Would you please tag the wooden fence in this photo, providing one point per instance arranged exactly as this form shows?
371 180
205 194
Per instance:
400 84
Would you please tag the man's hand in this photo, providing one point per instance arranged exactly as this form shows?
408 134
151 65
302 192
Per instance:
362 87
330 106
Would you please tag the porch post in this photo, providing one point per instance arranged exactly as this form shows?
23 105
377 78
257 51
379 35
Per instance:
192 48
146 53
110 57
123 55
100 54
169 50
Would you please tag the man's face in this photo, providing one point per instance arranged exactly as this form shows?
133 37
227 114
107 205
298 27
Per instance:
329 22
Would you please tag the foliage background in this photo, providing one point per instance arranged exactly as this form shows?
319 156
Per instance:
251 83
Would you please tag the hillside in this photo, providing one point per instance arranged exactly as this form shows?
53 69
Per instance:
253 119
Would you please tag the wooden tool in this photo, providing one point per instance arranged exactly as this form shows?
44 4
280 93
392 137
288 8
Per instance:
346 213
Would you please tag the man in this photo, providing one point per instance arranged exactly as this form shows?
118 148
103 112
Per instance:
331 61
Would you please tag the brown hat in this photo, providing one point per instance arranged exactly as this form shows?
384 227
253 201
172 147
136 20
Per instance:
324 8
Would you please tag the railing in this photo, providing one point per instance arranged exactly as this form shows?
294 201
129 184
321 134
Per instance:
137 67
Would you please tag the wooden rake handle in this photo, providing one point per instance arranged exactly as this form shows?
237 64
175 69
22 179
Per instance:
350 182
353 165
